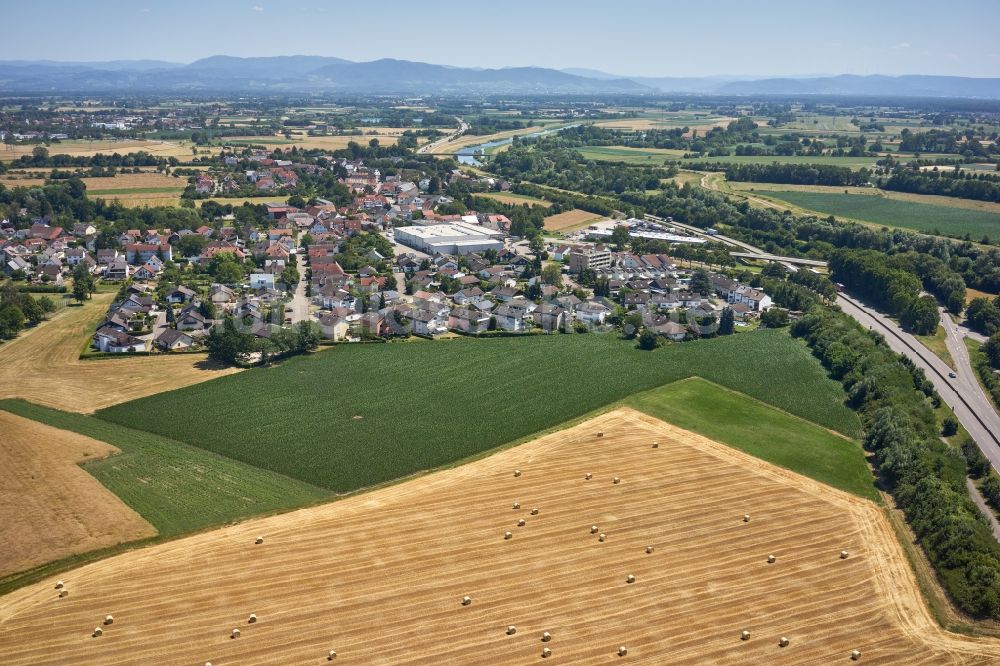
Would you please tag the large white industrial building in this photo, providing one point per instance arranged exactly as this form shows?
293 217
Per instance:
453 238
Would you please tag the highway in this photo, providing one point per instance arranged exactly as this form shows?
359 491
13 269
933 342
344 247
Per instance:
434 145
962 393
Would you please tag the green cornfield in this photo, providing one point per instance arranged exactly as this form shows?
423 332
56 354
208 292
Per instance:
359 415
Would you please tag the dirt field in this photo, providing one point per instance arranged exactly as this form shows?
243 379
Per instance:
49 507
571 219
379 577
42 365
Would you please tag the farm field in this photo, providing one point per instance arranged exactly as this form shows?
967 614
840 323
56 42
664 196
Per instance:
307 142
516 199
647 156
49 507
928 218
400 566
953 202
43 365
776 437
82 148
176 487
571 219
239 201
850 162
310 433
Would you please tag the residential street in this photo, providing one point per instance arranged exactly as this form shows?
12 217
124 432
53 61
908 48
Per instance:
300 302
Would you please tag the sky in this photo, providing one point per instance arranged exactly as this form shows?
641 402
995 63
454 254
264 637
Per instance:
628 37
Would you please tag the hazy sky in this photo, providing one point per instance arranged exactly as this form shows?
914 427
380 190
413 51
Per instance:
633 37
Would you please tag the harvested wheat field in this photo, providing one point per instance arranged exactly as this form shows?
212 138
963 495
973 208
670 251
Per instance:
43 365
49 507
571 219
85 148
380 577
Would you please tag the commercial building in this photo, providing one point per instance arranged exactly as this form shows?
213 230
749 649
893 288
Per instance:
454 238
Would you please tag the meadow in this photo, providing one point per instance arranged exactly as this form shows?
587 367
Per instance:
775 436
360 415
947 220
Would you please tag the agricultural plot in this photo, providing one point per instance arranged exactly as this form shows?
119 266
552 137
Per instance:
515 199
640 156
776 436
932 199
49 507
311 142
388 430
84 148
176 487
947 220
571 219
849 162
406 555
43 365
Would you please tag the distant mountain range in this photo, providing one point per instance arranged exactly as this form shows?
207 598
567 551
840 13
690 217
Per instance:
304 74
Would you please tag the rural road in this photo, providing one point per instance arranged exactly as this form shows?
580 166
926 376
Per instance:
963 393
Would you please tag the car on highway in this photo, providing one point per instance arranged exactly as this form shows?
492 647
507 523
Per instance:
952 375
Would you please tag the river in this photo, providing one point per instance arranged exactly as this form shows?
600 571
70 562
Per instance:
468 154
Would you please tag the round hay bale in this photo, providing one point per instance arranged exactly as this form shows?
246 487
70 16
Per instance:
546 653
98 632
744 635
546 637
517 505
108 619
649 549
63 592
508 535
208 663
259 540
843 554
588 476
600 433
630 579
593 529
622 650
534 511
60 585
601 536
521 522
235 633
331 655
466 600
746 517
252 618
517 472
855 655
656 445
771 559
511 630
616 480
783 642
